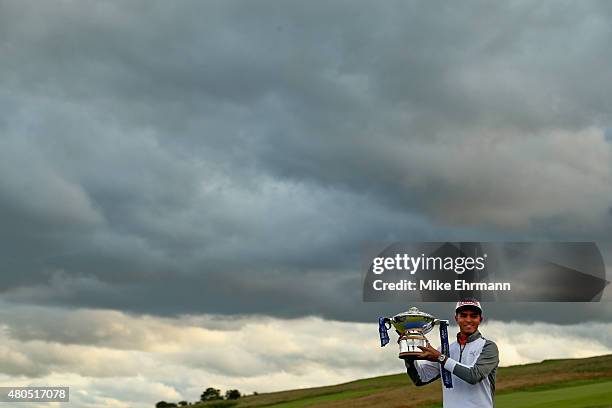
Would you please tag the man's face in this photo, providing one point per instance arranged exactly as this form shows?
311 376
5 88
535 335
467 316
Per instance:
468 320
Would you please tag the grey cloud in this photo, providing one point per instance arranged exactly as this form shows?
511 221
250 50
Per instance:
228 157
37 359
38 341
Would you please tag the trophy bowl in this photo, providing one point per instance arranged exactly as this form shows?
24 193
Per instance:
412 326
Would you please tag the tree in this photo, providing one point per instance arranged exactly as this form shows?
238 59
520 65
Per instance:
232 394
211 394
164 404
183 403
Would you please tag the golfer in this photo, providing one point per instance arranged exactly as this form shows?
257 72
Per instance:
473 362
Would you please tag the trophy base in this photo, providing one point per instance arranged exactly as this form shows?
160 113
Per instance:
409 356
409 346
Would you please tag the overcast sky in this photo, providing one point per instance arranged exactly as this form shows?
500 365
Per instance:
163 161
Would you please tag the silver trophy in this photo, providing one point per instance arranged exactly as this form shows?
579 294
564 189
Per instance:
412 326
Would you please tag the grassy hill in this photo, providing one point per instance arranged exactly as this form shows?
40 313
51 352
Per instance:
552 383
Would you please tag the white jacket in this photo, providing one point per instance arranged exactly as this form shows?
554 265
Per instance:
473 366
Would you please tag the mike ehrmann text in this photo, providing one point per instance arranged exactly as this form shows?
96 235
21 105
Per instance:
437 285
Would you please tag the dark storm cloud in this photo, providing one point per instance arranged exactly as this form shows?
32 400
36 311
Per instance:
233 157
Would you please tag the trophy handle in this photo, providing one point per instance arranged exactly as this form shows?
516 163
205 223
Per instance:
387 322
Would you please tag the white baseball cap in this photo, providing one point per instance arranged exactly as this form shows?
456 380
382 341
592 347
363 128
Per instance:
468 302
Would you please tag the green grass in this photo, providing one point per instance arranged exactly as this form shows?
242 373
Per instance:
557 385
576 383
580 396
321 399
221 404
595 393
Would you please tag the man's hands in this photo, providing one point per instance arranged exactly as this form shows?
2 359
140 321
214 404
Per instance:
429 353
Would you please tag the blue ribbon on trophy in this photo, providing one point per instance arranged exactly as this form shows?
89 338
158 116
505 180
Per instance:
447 377
412 326
382 331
